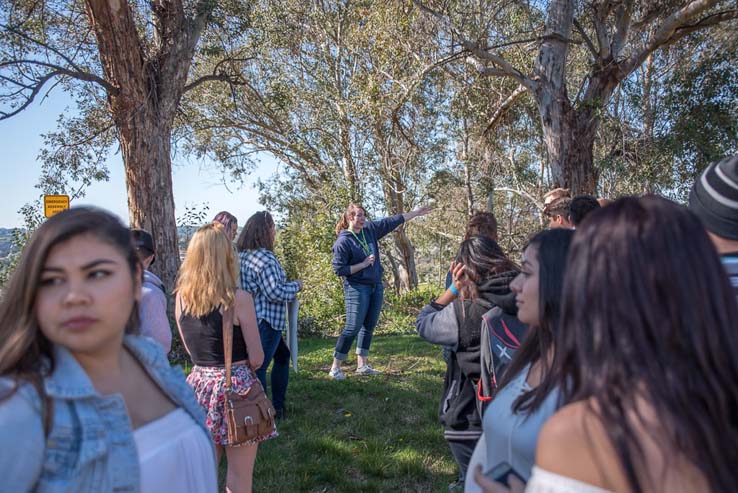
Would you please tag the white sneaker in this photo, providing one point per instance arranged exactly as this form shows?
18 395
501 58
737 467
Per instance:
336 374
367 370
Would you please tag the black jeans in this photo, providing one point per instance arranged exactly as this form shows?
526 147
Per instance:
274 349
462 451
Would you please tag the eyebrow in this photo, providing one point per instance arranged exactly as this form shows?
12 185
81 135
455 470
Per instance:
90 265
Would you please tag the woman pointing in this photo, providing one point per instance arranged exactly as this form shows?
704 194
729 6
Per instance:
356 259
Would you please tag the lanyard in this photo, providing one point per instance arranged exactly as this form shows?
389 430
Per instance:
362 241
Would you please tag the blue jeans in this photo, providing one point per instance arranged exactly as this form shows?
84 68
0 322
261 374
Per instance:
274 348
363 304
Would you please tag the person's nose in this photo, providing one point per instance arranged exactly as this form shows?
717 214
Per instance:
516 284
77 292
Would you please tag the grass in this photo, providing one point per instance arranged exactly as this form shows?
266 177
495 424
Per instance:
363 434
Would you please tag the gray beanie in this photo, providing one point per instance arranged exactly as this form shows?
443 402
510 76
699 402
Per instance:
714 198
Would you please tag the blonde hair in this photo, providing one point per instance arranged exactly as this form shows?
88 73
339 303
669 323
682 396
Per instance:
209 274
348 214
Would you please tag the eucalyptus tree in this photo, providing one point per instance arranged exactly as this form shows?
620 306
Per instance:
342 93
608 39
297 100
127 64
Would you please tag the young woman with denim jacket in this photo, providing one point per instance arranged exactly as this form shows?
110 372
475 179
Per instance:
85 405
356 259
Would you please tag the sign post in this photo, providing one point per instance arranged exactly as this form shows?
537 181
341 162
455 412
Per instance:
53 204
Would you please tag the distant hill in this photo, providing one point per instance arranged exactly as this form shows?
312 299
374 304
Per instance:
6 238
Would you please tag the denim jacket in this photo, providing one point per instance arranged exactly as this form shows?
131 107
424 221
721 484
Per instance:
90 446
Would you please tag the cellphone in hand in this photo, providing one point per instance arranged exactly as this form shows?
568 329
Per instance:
502 472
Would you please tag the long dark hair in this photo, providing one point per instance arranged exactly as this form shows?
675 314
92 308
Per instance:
651 318
25 352
481 223
483 259
553 247
257 233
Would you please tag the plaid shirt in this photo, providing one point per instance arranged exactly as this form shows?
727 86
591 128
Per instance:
263 277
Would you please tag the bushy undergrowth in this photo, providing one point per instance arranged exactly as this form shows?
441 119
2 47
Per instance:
326 317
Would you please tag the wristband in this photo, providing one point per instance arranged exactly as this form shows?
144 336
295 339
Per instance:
453 289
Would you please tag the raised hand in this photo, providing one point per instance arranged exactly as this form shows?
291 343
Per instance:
457 274
422 211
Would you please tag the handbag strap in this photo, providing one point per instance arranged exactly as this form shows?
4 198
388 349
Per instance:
228 344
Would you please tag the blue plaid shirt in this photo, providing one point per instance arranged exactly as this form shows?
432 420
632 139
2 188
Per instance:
263 276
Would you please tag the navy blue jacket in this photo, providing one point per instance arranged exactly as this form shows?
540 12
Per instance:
347 251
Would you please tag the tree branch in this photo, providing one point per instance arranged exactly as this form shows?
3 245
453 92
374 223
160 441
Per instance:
506 105
587 39
231 79
523 194
43 45
31 97
676 27
58 70
506 68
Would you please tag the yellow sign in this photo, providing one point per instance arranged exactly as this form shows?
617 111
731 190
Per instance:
54 204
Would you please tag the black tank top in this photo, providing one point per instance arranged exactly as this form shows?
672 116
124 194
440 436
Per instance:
204 338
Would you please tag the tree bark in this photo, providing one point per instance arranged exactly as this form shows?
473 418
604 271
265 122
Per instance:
395 271
148 170
393 187
406 266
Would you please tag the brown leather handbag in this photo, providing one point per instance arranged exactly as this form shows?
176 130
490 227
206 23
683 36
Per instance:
249 415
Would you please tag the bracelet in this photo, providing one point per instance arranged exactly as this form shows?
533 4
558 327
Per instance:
453 289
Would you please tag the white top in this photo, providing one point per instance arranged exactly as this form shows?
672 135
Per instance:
175 454
478 457
509 436
542 481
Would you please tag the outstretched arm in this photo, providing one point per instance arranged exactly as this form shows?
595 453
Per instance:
421 211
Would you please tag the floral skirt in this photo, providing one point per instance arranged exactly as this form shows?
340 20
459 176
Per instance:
208 384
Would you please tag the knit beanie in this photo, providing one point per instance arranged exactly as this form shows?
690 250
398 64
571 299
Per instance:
714 198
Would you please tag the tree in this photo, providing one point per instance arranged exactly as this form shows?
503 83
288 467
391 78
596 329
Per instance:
128 64
610 39
336 91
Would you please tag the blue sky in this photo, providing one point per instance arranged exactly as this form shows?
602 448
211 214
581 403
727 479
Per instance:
195 183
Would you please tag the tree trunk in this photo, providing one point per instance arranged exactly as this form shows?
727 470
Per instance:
149 86
395 271
146 154
348 164
406 265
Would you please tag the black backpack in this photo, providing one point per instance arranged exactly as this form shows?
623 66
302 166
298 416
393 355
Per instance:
501 336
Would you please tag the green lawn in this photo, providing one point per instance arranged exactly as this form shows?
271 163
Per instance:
363 434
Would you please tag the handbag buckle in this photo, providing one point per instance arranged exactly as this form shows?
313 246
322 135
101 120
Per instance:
248 420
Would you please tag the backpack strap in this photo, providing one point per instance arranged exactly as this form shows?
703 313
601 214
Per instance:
487 378
228 344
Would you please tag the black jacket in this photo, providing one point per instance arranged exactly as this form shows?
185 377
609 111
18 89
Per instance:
459 325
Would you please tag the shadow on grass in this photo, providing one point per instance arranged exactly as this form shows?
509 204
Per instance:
369 434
